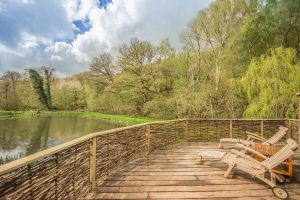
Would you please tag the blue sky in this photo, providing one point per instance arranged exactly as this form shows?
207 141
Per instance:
66 34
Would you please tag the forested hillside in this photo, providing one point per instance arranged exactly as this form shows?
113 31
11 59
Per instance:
240 59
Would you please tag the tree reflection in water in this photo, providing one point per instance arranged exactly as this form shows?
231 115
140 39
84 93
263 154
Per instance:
25 136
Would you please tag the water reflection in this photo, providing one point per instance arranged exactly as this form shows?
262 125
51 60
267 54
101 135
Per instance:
24 136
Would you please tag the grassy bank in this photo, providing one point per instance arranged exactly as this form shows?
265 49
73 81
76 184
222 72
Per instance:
115 118
5 114
108 117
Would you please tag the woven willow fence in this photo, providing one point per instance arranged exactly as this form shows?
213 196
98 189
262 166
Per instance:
71 170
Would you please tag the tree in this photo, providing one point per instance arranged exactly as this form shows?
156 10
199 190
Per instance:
48 72
287 22
10 80
165 49
207 43
38 86
14 77
137 54
137 60
277 23
270 84
103 64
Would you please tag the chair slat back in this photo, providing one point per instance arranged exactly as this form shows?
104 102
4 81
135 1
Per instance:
283 154
277 136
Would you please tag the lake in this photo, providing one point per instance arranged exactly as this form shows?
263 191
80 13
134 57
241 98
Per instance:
24 136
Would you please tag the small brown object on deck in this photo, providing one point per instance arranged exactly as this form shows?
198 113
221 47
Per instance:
271 150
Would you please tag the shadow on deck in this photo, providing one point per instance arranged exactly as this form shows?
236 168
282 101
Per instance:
174 174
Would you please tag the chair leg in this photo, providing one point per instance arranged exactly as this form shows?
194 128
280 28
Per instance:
220 145
290 167
199 160
230 167
271 182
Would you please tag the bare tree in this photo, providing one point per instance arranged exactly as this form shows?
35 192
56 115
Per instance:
103 64
9 83
137 54
13 78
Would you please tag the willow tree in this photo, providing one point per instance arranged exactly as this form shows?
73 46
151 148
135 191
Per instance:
270 84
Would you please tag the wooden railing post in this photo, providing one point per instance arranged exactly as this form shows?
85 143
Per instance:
93 148
230 128
298 95
186 134
262 128
148 133
290 129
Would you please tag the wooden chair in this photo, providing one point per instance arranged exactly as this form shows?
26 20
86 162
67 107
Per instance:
254 138
240 160
285 169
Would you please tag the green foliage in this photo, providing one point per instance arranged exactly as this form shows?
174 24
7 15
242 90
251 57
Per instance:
8 114
42 87
240 59
270 84
275 24
114 118
47 71
38 86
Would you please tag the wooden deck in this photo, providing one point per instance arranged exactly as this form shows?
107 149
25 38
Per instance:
174 174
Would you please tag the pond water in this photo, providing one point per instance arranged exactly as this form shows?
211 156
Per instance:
24 136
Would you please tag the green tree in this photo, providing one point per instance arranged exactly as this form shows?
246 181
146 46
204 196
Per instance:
38 86
136 55
277 23
48 73
137 60
270 84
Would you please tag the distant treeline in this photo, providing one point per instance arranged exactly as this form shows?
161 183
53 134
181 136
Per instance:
240 59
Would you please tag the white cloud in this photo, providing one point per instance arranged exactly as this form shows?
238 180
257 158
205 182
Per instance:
56 58
59 47
29 41
78 9
2 7
121 21
25 1
5 50
150 20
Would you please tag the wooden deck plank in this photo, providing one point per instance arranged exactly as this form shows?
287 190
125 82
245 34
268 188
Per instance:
174 183
205 195
203 188
174 174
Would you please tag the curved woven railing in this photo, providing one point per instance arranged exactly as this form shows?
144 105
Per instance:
71 170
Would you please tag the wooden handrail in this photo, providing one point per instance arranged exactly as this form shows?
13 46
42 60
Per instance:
83 156
5 168
240 119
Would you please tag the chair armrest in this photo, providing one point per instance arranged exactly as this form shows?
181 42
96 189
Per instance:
252 151
255 136
238 153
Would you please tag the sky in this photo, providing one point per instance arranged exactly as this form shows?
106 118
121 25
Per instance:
66 34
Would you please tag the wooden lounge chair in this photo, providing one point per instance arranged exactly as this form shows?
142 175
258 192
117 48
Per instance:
253 138
240 160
